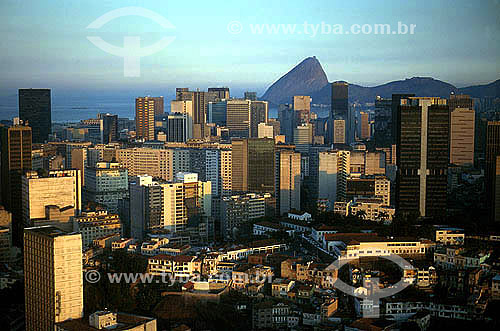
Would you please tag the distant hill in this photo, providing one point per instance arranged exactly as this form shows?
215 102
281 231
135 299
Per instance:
305 78
481 91
308 78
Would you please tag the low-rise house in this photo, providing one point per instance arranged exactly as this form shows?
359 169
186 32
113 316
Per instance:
297 225
123 243
107 320
265 228
281 287
450 236
107 241
459 257
181 266
318 232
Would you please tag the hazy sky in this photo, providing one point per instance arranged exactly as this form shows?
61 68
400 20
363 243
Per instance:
44 43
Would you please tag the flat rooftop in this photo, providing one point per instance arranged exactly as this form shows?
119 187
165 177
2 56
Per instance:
48 231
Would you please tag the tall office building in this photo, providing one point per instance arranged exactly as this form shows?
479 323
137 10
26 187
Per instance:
109 128
302 109
59 188
226 171
200 102
79 161
462 136
303 137
339 131
188 203
238 118
491 175
206 163
395 103
159 105
106 183
147 161
265 131
145 118
364 126
460 101
339 109
217 112
288 180
334 169
35 111
383 122
252 96
15 156
287 122
258 114
53 277
186 108
422 155
146 206
253 165
496 211
462 129
178 129
222 93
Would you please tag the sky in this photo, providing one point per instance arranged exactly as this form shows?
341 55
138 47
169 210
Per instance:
44 43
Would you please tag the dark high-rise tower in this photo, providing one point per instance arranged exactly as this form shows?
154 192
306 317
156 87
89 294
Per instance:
15 153
339 108
253 165
109 128
258 114
422 156
396 102
492 152
35 111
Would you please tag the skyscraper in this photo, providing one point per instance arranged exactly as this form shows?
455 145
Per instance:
339 108
364 126
302 108
186 108
15 154
422 155
106 183
222 93
258 114
462 136
339 131
145 118
159 105
59 188
287 120
200 102
109 128
217 112
395 103
35 111
462 129
53 277
253 165
492 152
238 118
178 129
383 122
334 168
288 180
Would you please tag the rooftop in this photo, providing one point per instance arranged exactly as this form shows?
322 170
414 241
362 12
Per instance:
48 231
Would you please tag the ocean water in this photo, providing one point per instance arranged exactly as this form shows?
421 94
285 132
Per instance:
75 108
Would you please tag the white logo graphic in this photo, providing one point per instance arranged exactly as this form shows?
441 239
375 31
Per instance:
371 293
131 51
